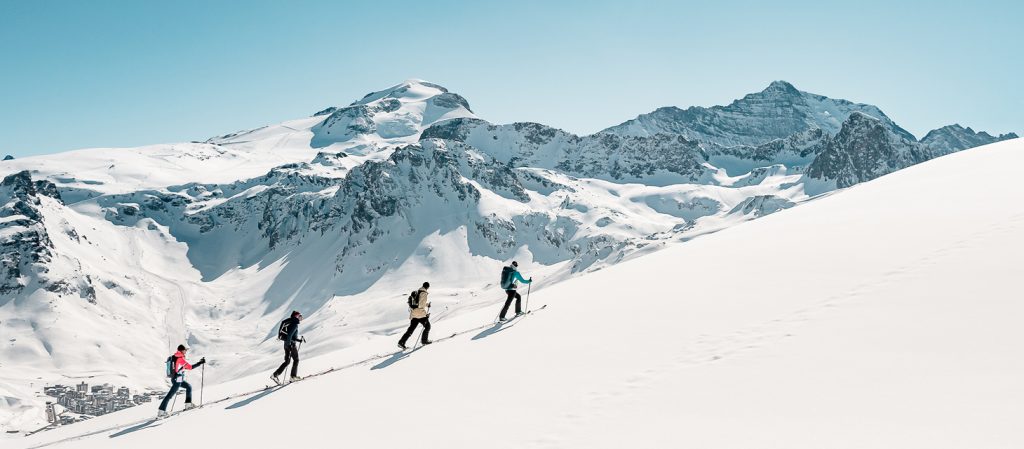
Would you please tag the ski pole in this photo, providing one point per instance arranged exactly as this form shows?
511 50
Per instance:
202 383
528 286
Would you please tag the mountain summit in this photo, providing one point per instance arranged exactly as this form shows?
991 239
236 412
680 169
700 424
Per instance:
953 138
777 112
398 112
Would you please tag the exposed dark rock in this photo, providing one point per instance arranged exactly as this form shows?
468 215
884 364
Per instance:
953 138
864 150
777 112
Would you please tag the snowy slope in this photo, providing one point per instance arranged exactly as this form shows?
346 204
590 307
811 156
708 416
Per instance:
110 257
883 316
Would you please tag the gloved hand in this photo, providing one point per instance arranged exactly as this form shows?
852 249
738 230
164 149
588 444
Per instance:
303 339
200 362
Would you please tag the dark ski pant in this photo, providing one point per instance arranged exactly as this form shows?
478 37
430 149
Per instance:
291 354
175 384
512 294
412 327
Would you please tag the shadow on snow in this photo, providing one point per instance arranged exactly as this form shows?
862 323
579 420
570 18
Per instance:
394 358
497 327
253 398
135 428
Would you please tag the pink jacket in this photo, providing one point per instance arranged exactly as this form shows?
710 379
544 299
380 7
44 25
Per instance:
180 363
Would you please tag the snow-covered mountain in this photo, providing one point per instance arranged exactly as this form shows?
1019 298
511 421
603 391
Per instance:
668 159
113 256
882 316
953 138
777 112
396 113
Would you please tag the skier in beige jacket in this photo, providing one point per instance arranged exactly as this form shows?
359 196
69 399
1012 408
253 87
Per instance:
419 313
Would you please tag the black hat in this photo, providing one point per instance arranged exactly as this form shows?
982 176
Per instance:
182 348
515 264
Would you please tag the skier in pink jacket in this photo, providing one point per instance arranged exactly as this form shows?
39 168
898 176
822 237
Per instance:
178 366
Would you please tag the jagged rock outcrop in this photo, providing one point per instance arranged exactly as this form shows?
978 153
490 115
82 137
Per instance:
777 112
863 150
25 246
793 153
953 138
761 205
603 156
329 159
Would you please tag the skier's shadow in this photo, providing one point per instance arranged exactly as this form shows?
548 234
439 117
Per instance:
255 397
394 358
498 327
134 428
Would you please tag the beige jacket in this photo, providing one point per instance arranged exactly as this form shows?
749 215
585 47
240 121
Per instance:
423 310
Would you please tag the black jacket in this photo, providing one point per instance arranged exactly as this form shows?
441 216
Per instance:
293 330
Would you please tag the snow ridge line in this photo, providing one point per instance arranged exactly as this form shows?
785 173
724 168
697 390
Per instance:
260 390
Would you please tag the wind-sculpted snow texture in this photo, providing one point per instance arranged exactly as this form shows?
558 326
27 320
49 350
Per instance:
118 255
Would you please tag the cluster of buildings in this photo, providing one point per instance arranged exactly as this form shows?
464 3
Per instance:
81 400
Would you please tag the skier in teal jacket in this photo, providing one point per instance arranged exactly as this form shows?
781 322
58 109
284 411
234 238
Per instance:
509 276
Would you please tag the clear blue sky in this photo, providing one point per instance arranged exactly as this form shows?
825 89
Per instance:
81 74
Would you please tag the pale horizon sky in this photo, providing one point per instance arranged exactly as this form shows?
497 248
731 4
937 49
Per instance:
120 74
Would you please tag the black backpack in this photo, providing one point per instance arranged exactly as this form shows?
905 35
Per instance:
284 329
169 367
506 277
414 299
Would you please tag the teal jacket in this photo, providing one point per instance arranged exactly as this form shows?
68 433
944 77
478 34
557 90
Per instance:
517 277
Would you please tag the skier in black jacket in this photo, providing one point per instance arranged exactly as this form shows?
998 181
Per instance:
289 332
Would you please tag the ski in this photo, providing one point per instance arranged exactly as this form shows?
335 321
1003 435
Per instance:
514 318
176 413
289 382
